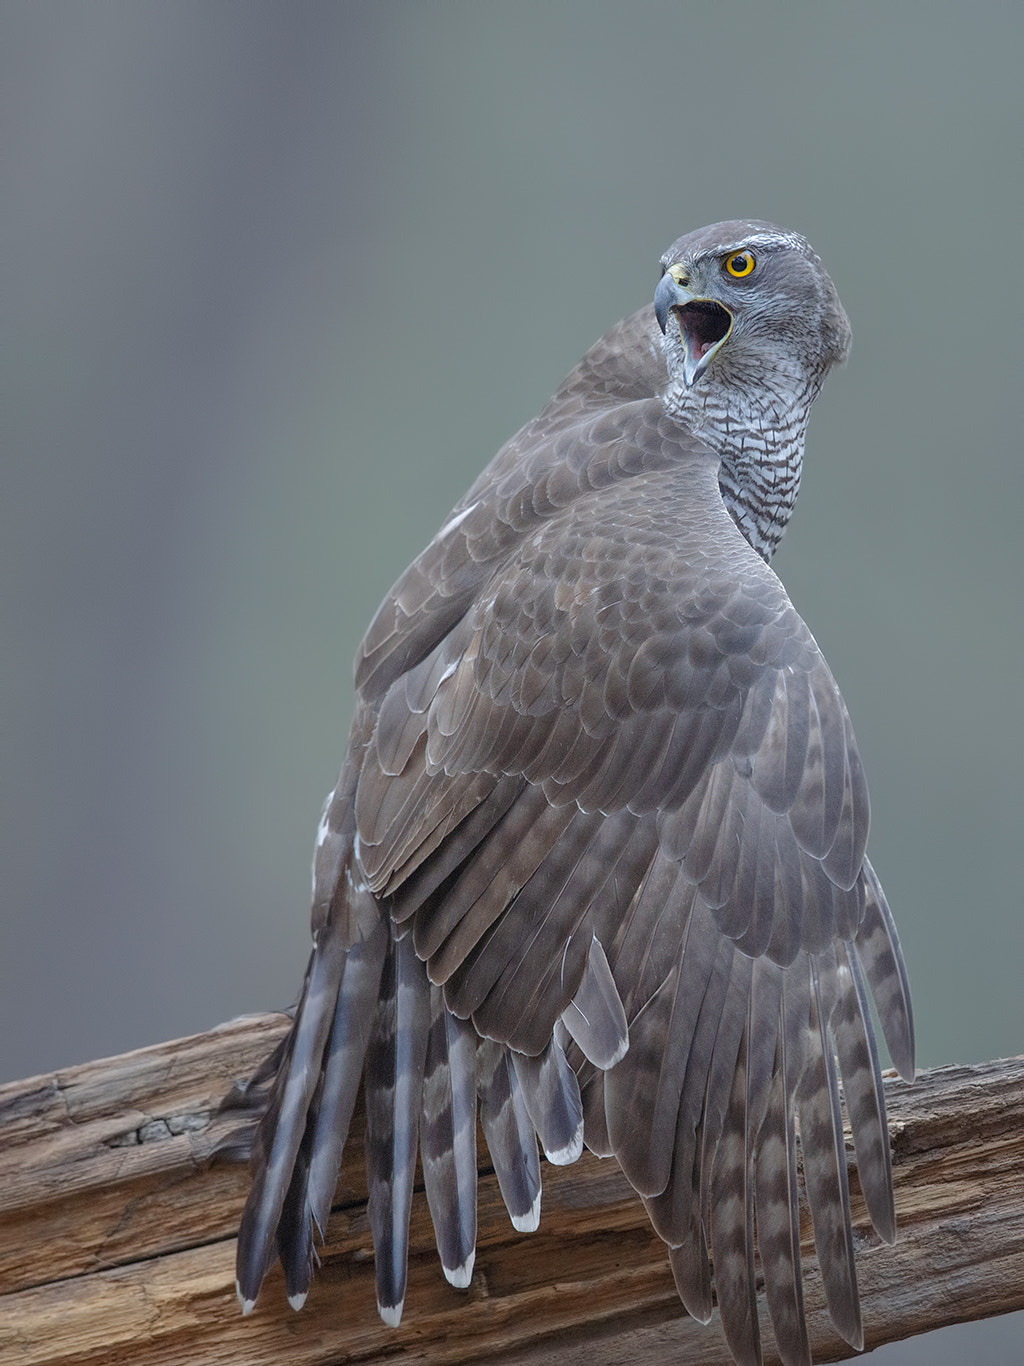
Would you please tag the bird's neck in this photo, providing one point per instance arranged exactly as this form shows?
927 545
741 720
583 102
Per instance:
761 449
759 490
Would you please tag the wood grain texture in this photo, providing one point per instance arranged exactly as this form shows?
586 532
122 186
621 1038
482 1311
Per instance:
117 1234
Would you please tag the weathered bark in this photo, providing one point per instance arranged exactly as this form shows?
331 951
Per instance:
117 1234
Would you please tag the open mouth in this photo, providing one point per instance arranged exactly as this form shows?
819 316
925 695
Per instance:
702 325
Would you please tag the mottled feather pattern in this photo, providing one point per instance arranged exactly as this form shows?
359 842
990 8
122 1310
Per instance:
595 864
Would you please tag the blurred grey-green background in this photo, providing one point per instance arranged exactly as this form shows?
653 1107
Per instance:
279 278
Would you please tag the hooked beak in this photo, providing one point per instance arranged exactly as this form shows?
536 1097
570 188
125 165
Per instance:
703 323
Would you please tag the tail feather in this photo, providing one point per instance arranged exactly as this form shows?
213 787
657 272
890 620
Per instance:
294 1232
282 1130
448 1138
330 1113
395 1063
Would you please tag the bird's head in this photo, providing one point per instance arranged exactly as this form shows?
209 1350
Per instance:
746 303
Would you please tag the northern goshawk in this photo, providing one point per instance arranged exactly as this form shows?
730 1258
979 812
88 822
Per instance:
595 861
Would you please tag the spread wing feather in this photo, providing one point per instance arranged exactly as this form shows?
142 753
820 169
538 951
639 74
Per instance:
604 786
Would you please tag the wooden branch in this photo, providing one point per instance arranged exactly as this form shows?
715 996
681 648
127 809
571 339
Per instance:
117 1234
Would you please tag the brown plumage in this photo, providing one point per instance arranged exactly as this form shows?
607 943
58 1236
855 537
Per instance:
597 849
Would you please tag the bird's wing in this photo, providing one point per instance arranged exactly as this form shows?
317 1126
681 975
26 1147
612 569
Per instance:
632 665
630 739
605 786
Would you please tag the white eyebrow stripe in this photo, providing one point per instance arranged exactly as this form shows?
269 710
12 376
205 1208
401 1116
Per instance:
755 239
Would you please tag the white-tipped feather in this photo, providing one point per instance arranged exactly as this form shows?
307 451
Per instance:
552 1096
460 1276
595 1017
448 1138
391 1314
530 1222
247 1305
511 1137
566 1156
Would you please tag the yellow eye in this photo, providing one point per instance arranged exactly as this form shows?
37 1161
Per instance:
738 265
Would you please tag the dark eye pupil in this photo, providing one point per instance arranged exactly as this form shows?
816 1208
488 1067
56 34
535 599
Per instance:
739 263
